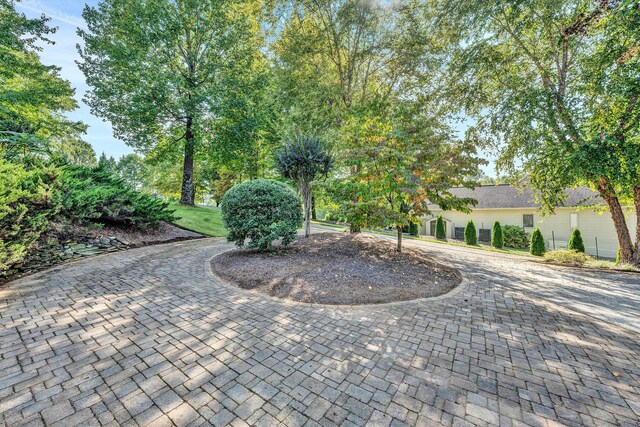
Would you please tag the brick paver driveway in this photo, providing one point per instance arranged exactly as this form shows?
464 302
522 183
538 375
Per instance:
147 337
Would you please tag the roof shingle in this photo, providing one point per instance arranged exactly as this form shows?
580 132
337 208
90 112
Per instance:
504 196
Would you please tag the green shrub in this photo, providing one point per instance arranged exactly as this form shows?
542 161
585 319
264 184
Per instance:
413 229
441 232
94 194
470 235
497 239
261 211
537 246
27 204
564 256
618 256
576 243
515 237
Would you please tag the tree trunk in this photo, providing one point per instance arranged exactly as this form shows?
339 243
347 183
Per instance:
636 202
399 247
305 190
187 196
619 221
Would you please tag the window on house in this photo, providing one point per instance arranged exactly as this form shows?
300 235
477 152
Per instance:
527 220
574 220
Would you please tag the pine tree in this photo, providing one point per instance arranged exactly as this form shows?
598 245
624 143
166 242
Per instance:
470 236
537 247
576 243
497 238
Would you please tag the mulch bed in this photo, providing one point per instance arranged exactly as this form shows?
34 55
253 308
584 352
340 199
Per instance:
164 234
340 269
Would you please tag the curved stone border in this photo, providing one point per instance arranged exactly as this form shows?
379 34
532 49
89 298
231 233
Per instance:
463 285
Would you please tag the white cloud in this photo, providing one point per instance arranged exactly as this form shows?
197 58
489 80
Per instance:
40 7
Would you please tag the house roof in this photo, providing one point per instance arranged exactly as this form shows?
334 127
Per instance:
505 196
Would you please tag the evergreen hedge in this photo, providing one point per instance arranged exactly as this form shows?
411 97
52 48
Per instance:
497 238
470 235
27 205
95 194
576 243
537 246
413 229
441 232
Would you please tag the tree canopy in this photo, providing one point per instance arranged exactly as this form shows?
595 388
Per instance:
159 70
33 96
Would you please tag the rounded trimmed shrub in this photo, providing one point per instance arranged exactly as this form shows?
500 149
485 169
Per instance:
441 231
497 238
470 235
537 246
575 242
257 213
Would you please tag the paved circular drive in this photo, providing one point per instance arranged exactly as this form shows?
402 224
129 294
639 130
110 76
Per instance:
148 337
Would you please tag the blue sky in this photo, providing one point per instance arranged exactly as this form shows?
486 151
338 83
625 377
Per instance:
67 16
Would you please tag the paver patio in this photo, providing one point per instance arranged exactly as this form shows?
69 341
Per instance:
147 337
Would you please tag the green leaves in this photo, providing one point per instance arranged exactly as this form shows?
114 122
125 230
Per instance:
169 75
33 96
257 213
27 205
303 158
398 167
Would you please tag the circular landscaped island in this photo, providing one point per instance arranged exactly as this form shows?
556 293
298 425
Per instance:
339 269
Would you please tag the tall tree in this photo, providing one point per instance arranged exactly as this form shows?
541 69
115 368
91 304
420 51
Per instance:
332 57
158 70
33 96
555 85
303 159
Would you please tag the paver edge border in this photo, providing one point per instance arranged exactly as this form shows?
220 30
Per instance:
463 285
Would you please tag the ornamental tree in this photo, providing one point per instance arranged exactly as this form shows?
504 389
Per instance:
398 167
303 159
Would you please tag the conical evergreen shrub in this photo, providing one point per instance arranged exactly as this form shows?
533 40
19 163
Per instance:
413 229
441 232
497 238
618 257
576 243
470 235
537 247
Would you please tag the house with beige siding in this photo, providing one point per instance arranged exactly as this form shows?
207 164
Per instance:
511 205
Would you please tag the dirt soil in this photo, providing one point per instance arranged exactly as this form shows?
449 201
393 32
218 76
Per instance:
165 233
338 268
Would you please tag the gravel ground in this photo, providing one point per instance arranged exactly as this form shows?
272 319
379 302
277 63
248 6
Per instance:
338 268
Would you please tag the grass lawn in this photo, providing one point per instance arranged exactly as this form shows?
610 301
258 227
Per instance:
204 220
